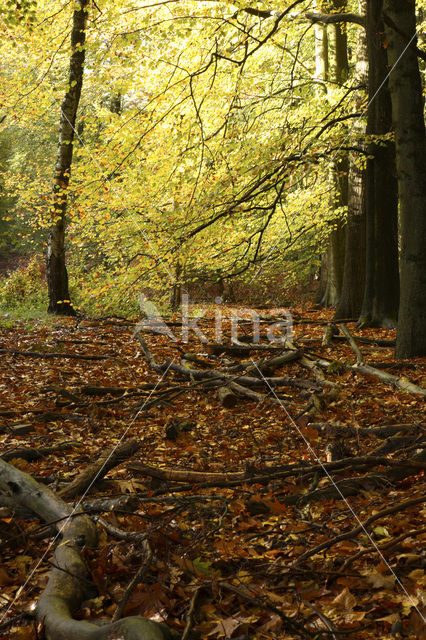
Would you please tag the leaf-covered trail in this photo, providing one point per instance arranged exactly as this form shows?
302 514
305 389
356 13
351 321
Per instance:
235 554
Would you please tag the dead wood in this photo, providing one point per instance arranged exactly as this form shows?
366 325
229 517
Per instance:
384 431
366 370
35 454
61 391
137 578
328 335
400 383
398 443
91 390
373 341
17 429
352 486
97 470
238 349
236 383
320 322
51 416
68 581
353 344
37 354
103 391
182 475
226 397
126 503
393 542
361 528
289 624
278 361
254 475
252 395
190 615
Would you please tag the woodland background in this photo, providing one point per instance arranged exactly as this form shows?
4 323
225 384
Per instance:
272 157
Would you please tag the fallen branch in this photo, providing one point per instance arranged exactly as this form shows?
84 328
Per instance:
366 370
137 578
354 346
400 383
72 397
178 475
378 432
38 354
381 546
190 615
36 454
266 474
226 397
91 390
360 529
97 470
352 486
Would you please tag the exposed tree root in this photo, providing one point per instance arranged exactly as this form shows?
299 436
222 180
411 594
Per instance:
68 582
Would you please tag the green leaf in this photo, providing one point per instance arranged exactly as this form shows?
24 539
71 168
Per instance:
381 532
202 567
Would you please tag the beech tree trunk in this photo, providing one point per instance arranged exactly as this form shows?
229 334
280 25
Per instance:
381 298
352 294
410 139
338 70
57 276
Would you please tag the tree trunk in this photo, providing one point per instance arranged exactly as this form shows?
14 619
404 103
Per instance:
353 284
57 276
321 75
335 262
410 139
321 54
381 297
338 70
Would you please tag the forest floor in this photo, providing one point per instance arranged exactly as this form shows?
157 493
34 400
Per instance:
286 541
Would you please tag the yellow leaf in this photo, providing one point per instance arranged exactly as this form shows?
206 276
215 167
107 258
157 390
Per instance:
345 599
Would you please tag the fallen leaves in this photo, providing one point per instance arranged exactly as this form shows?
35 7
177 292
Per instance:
246 536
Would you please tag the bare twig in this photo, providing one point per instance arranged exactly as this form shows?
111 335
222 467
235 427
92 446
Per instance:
137 578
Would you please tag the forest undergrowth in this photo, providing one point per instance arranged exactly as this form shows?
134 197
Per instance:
262 493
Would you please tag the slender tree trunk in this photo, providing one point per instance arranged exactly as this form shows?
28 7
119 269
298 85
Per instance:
323 277
57 276
321 75
321 54
381 298
353 284
338 69
410 139
175 297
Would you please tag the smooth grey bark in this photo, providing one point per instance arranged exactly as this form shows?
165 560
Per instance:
381 297
321 53
410 140
57 275
68 582
353 283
